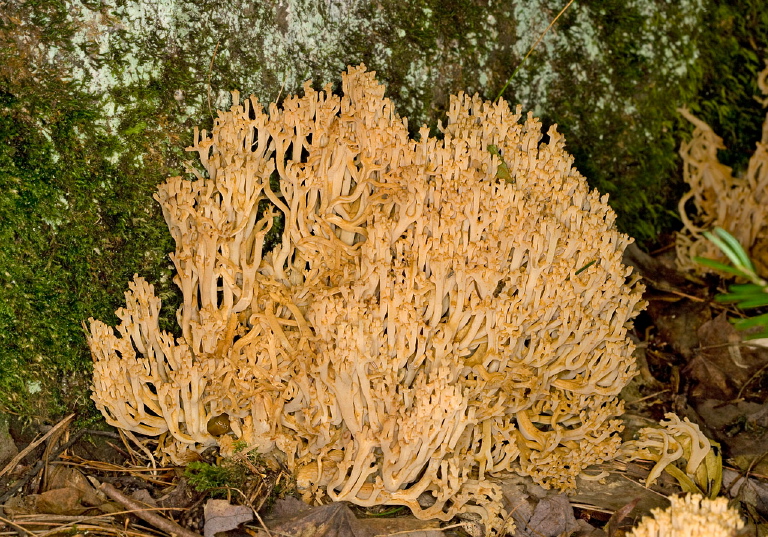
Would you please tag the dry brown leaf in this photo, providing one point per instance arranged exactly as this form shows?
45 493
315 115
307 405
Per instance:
718 366
63 501
293 517
620 515
333 520
220 515
553 516
68 477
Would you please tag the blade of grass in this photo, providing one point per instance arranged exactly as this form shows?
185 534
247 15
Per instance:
744 324
736 248
711 263
754 302
725 248
533 47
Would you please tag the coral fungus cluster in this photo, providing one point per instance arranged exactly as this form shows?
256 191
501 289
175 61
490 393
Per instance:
691 516
738 205
425 322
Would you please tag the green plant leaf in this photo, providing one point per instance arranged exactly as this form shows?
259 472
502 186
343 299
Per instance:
746 288
502 172
751 322
735 247
685 482
754 302
711 263
585 267
726 246
743 296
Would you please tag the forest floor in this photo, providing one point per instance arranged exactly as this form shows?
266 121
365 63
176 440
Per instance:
691 362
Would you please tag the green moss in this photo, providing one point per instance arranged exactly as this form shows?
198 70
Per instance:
64 220
737 51
67 216
214 478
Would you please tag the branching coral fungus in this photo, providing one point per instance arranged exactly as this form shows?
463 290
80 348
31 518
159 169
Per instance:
680 448
736 204
423 325
691 516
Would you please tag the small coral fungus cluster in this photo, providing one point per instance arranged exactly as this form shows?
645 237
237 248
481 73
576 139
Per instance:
739 205
437 312
691 516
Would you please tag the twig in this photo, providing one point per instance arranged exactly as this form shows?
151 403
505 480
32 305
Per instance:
98 522
119 450
684 295
630 403
39 465
160 522
17 459
141 446
32 472
19 529
51 452
250 504
264 526
753 377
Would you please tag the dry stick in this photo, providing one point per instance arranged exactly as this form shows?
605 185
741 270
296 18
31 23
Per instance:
102 522
142 447
255 512
630 403
264 526
753 377
19 529
39 465
17 459
160 522
96 529
50 447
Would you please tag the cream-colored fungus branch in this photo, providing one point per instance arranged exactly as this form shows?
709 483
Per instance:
422 325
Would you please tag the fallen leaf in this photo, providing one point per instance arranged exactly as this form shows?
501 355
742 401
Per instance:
333 520
748 490
585 529
293 517
552 516
718 367
73 495
143 496
517 501
220 515
180 497
60 477
64 501
411 526
675 320
619 516
535 511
